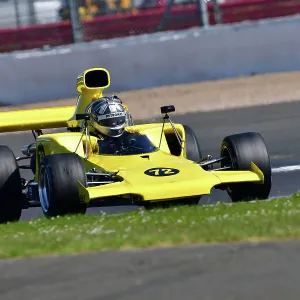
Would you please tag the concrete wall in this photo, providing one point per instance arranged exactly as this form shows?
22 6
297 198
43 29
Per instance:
154 60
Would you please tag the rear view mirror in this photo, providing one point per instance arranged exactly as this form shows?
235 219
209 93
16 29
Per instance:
167 109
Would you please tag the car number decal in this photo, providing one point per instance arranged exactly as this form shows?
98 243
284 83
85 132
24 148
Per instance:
161 172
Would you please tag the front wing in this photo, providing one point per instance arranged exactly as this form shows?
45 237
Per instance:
172 189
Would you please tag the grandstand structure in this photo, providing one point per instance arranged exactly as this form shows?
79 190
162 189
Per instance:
47 23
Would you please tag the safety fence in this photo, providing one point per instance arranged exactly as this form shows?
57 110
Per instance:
122 19
164 58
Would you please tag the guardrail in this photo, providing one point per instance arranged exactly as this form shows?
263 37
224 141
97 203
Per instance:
112 26
147 61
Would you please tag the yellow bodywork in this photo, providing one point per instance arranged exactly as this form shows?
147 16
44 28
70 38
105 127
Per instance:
33 119
191 180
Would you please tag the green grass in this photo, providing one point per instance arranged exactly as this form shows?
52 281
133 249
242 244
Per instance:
261 220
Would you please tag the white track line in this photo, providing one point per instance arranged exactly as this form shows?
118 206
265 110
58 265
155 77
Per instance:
286 169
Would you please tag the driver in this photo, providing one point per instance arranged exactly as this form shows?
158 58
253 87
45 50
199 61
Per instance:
108 119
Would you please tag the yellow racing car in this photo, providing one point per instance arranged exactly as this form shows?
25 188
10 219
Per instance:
159 165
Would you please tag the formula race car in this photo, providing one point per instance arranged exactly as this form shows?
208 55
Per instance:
160 165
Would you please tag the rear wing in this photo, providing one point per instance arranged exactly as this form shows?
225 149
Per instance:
34 119
90 85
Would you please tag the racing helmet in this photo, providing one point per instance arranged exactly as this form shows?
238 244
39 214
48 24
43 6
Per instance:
108 116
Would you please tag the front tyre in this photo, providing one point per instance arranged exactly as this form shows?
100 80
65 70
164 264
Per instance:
239 151
58 184
11 196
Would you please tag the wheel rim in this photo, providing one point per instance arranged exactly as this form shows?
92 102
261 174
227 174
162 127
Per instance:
44 188
228 158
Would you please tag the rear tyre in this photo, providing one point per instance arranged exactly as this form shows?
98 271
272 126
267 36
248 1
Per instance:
193 151
11 196
58 184
239 151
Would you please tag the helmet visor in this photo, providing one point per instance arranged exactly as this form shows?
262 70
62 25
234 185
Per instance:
112 122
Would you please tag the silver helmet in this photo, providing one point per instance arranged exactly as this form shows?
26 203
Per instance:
108 116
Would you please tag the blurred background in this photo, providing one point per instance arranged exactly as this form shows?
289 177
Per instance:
29 24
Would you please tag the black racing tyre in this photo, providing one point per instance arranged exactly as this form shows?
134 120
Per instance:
239 150
11 196
193 151
58 184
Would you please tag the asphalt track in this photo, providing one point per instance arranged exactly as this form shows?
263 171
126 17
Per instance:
224 272
250 271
